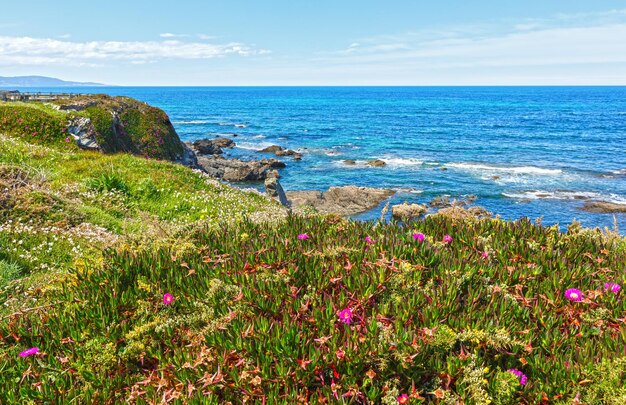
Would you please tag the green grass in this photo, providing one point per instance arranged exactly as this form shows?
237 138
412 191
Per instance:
255 317
65 205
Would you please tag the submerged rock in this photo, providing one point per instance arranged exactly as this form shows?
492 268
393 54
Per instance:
603 207
376 163
407 212
346 200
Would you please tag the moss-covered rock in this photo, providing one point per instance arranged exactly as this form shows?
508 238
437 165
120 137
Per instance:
113 124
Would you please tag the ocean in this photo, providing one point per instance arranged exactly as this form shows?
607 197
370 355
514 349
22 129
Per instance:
523 151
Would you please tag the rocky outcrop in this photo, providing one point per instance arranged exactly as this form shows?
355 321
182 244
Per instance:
345 200
212 146
274 190
408 212
83 132
350 162
121 124
603 207
238 170
376 163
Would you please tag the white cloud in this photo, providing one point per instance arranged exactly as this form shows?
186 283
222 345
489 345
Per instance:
48 51
170 35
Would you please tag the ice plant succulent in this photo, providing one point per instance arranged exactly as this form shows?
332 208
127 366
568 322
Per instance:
447 238
29 352
168 298
612 287
345 316
303 236
522 377
419 237
573 294
369 240
403 399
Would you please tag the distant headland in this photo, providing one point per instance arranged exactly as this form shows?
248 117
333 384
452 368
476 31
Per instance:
40 81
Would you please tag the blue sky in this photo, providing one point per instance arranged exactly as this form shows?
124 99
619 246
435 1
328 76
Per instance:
317 42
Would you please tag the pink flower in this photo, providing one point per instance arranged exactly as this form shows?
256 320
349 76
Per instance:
67 139
522 377
168 298
303 236
345 316
485 255
369 240
403 399
419 237
447 238
29 352
612 287
573 294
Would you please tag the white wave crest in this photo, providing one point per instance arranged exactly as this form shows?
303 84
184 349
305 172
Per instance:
565 195
519 170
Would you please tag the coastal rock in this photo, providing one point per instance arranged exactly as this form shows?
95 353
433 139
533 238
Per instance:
462 214
280 151
603 207
272 149
376 163
440 202
350 162
212 146
83 132
238 170
346 200
407 212
288 152
224 142
275 190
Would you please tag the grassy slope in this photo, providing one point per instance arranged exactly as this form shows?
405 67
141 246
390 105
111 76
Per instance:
254 315
60 206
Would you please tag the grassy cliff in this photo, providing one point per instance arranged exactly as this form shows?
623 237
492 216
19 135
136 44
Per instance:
142 281
120 124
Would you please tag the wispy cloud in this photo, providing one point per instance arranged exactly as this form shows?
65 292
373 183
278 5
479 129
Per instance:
596 38
48 51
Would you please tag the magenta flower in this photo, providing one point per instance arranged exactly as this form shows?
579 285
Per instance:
168 298
303 236
485 255
612 287
522 377
403 399
369 240
29 352
573 294
447 238
345 316
419 237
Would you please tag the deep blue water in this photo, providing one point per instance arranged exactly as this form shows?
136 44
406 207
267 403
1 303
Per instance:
524 151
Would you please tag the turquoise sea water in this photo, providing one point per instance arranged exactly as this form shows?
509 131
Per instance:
524 151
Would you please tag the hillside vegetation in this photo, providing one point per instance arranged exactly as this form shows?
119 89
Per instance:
126 279
118 124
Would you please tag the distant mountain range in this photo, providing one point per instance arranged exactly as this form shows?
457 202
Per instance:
40 81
